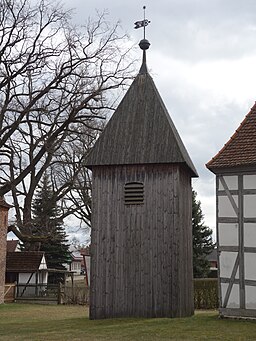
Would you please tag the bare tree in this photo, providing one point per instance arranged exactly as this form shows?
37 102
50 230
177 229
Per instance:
56 83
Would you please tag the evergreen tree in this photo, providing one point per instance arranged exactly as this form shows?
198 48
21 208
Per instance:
46 218
202 240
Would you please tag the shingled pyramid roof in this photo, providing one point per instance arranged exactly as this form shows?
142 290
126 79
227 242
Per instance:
240 150
140 130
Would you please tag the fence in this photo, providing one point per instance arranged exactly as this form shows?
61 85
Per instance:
205 293
9 293
47 293
76 293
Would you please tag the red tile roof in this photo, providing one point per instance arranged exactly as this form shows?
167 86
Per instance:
240 150
27 261
12 245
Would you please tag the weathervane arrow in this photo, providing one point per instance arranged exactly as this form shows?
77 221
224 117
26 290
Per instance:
142 23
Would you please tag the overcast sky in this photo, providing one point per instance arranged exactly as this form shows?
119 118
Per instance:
203 61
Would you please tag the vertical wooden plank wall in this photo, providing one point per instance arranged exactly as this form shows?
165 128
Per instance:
141 254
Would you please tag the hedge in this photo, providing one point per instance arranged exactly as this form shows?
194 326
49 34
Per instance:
206 293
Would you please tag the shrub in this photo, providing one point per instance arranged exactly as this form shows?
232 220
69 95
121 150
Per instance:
206 293
76 294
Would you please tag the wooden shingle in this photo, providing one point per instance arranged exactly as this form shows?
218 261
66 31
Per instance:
140 131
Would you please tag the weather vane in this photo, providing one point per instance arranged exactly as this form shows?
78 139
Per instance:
142 23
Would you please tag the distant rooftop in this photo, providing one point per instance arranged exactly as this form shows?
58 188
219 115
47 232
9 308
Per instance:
26 261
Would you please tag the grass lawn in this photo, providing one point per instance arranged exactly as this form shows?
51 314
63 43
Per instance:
49 322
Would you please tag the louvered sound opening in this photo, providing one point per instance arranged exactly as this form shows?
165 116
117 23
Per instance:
134 193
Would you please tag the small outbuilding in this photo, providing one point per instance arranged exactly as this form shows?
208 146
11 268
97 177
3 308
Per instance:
235 169
28 269
141 242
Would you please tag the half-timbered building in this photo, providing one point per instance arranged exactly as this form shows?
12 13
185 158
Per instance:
141 248
235 169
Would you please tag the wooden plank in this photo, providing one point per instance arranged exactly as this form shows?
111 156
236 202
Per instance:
176 246
235 192
248 282
238 312
250 220
241 242
248 191
223 193
217 182
227 220
125 139
143 263
227 248
9 293
249 249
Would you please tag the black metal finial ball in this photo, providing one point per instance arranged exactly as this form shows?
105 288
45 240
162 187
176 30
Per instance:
144 44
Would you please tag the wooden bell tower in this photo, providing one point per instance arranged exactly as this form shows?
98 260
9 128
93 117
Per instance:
141 248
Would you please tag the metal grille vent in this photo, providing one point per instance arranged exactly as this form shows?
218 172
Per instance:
133 193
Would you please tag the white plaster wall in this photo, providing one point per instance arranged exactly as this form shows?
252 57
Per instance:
233 301
223 288
231 181
228 234
250 297
249 181
43 264
250 235
250 266
227 262
225 208
250 206
24 277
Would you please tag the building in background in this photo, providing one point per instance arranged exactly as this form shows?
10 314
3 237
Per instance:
235 169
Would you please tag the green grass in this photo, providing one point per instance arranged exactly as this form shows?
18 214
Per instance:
41 323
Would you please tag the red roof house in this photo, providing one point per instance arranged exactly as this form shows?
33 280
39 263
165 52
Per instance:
235 169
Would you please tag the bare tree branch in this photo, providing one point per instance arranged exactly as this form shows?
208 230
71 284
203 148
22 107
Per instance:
56 85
